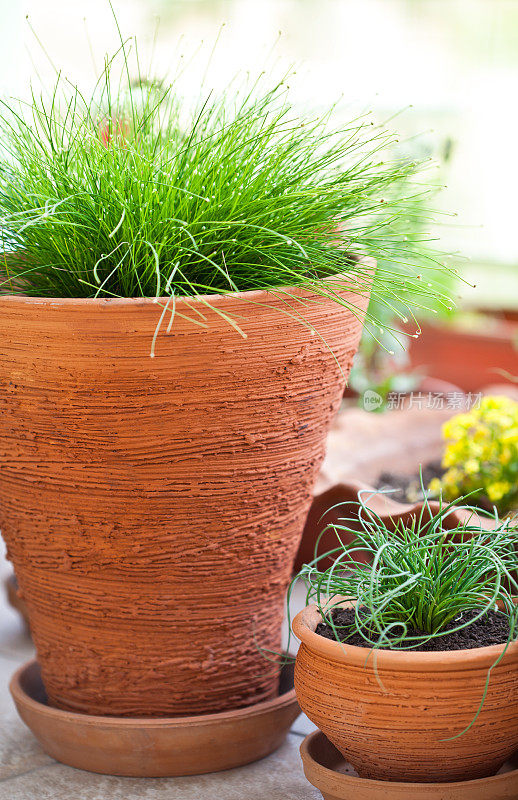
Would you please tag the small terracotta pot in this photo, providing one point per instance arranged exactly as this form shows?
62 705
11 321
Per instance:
401 731
338 502
152 507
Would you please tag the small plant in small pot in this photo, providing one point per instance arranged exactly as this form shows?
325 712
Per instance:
185 287
409 664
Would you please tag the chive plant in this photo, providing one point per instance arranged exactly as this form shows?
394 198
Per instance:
421 581
421 578
134 191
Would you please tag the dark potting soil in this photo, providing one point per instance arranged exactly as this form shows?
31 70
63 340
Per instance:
492 628
407 488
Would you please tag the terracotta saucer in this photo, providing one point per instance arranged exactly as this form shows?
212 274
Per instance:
326 769
155 747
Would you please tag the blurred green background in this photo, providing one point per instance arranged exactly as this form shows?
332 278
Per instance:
448 70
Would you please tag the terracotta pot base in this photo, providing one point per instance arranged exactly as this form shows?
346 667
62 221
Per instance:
327 770
155 747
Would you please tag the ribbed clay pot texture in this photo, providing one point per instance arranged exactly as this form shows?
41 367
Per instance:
152 507
401 729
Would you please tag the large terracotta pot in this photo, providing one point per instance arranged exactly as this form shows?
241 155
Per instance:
152 507
401 730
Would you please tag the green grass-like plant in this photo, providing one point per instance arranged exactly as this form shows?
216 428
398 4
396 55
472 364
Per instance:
134 191
421 582
421 578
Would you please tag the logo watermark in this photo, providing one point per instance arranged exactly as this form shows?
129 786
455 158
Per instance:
372 400
453 401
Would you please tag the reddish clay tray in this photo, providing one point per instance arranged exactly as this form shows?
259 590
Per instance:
155 746
326 769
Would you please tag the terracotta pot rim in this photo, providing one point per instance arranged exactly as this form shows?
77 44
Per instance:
386 507
20 696
305 622
327 777
202 299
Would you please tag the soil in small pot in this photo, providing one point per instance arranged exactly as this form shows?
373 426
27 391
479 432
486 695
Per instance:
492 628
407 488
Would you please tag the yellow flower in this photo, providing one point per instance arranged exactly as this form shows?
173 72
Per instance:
511 436
481 432
435 486
481 453
472 466
449 458
495 491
